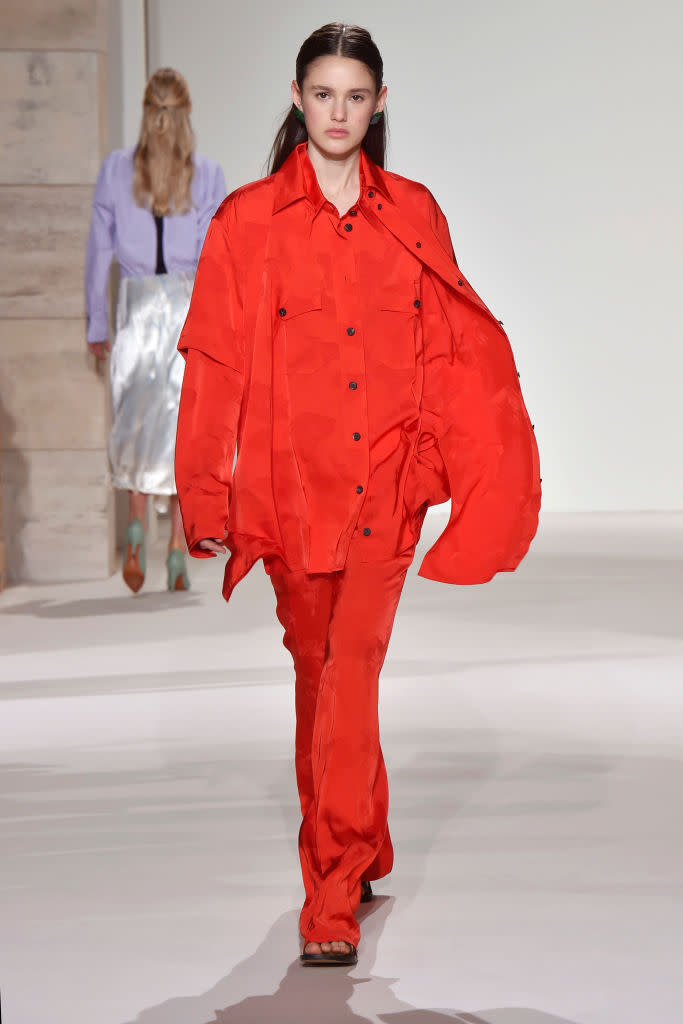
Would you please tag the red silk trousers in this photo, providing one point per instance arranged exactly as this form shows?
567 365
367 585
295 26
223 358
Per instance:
337 629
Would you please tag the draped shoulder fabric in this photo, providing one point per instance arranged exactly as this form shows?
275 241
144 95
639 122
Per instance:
359 378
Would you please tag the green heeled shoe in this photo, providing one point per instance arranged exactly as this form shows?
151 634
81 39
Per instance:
135 560
177 573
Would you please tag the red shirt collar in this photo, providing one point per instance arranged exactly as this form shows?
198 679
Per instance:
296 179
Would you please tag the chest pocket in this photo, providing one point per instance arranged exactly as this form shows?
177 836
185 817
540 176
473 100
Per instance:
302 332
397 320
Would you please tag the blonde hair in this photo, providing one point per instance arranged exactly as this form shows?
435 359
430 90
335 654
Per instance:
163 165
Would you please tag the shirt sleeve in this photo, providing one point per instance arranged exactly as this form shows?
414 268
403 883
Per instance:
98 254
473 404
212 342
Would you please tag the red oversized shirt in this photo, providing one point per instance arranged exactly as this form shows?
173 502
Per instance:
309 342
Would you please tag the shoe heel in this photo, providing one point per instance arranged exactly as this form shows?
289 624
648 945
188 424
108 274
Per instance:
177 573
135 562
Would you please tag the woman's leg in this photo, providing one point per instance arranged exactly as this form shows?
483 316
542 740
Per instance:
304 607
177 532
137 506
338 627
135 560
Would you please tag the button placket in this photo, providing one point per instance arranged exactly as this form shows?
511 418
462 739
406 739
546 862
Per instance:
354 419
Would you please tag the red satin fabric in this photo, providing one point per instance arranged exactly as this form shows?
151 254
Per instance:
438 411
337 628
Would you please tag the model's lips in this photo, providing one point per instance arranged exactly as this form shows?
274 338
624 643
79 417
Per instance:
336 132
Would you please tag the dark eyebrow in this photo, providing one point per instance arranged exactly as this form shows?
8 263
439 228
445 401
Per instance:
328 88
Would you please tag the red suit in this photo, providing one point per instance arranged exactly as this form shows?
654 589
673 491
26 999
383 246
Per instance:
361 380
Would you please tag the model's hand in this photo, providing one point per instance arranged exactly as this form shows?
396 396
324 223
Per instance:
99 348
212 544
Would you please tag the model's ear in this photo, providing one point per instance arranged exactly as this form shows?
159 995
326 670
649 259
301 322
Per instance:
382 99
296 94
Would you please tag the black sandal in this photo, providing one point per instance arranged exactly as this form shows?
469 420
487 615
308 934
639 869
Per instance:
331 959
366 893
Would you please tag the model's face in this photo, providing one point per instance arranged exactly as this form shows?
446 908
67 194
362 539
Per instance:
338 99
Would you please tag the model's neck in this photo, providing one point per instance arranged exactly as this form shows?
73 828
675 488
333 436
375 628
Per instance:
337 176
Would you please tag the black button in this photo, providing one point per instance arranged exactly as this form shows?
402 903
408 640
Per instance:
351 330
371 194
367 531
459 281
359 489
418 245
533 427
500 322
518 373
379 206
356 436
348 227
417 303
353 385
353 213
282 311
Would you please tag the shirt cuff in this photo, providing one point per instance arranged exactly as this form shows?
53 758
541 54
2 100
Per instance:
203 531
98 327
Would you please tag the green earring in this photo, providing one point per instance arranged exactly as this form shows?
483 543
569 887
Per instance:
376 117
300 115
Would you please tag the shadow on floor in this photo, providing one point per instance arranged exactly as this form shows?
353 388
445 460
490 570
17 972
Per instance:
317 995
119 605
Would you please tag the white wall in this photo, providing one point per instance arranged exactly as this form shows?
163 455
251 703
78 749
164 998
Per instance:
550 134
127 70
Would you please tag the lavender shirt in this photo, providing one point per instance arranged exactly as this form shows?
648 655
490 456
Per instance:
121 228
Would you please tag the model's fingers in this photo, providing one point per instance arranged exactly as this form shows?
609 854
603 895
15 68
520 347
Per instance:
99 348
209 544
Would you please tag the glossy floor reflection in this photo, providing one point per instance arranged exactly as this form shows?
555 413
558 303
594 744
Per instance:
532 730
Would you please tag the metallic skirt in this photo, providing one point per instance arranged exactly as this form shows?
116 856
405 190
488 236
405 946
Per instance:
146 376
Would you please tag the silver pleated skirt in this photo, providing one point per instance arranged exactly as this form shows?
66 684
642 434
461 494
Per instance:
146 376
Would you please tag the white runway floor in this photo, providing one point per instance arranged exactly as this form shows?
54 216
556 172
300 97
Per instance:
532 730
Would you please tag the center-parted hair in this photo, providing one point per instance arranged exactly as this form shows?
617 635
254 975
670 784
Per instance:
333 40
163 164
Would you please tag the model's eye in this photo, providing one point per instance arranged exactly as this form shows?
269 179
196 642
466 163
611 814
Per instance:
358 96
321 95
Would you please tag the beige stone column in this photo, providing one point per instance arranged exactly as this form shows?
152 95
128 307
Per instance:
56 506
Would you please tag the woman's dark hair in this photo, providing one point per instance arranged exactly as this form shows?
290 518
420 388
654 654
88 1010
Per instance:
333 40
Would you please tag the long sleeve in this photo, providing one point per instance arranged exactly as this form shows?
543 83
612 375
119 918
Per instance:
99 253
474 405
212 342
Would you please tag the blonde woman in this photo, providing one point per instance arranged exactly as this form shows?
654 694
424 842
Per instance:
152 205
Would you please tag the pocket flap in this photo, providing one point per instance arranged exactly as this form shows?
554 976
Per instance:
296 305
